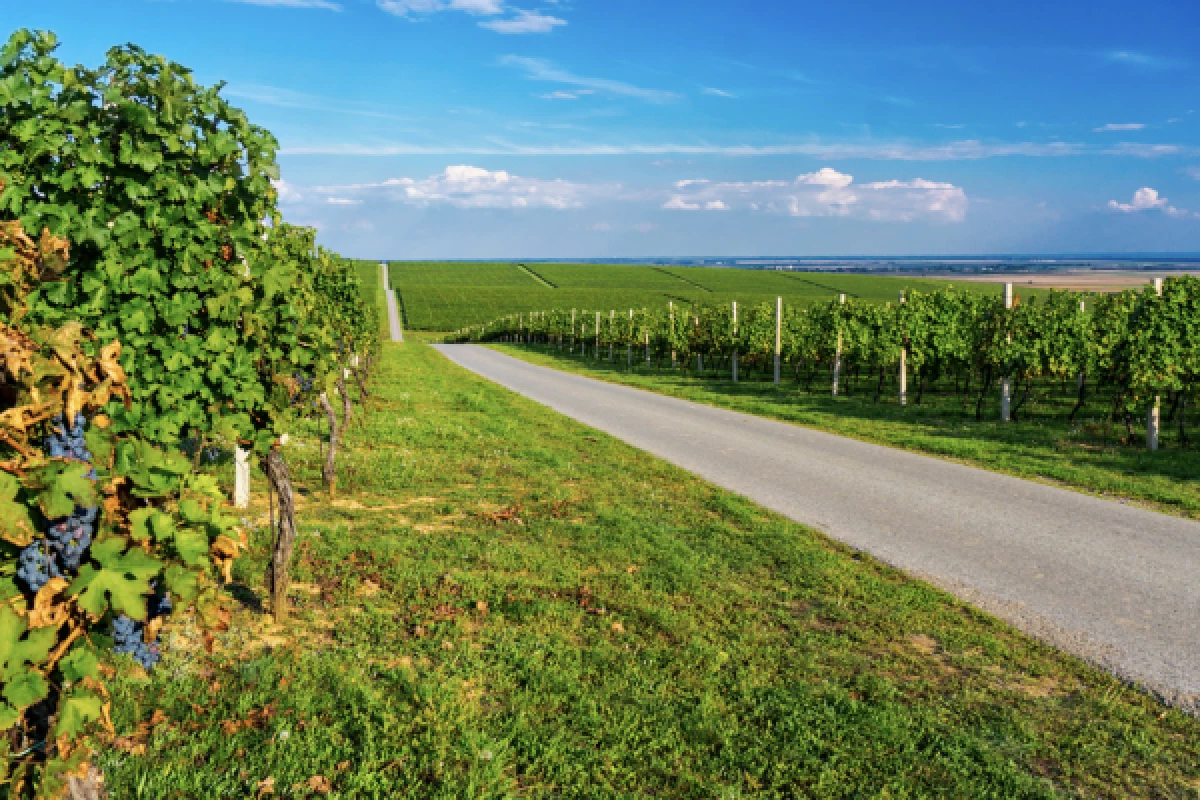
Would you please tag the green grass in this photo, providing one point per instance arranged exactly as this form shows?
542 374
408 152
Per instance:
448 642
1089 454
451 295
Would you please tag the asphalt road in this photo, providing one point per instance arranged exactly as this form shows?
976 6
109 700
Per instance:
1113 583
393 309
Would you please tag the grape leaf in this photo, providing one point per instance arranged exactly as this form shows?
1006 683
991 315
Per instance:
26 689
76 711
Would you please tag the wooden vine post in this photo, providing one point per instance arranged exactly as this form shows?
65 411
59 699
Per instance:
734 358
1006 381
837 356
1154 415
903 366
778 334
278 578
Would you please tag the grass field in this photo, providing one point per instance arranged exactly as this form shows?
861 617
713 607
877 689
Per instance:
1087 454
505 603
451 295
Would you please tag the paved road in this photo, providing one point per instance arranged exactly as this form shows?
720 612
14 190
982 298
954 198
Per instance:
1116 584
393 308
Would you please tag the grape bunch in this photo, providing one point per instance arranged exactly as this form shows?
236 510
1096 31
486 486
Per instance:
36 566
67 538
129 634
304 381
129 639
69 443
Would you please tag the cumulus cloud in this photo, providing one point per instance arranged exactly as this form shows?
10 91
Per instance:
1147 199
287 192
524 22
826 193
1119 126
464 186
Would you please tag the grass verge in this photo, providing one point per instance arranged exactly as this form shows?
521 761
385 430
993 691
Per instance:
1044 446
505 603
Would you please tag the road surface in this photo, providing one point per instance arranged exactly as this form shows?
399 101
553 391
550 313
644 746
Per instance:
1112 583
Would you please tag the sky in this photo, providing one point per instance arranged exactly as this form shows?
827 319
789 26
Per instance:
425 129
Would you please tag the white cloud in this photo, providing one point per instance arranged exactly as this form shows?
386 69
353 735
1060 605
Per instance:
541 70
677 203
524 22
560 95
403 8
687 183
464 186
964 150
287 192
719 92
828 193
1143 60
1119 126
323 4
1147 199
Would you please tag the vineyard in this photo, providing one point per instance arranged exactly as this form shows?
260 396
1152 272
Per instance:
445 296
156 314
1137 354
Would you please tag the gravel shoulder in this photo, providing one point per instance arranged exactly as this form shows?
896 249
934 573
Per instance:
1112 583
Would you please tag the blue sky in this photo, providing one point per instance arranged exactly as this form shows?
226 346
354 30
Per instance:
627 128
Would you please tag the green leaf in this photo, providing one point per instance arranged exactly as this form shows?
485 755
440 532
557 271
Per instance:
192 546
26 689
15 653
75 711
9 717
70 487
182 583
123 581
78 664
140 522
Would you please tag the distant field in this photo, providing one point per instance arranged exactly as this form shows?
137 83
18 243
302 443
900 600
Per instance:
1078 280
446 296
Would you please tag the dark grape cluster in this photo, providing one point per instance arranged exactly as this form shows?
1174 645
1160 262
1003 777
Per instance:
72 536
36 566
129 634
69 443
305 381
128 638
68 538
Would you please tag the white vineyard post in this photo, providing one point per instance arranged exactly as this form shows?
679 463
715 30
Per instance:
597 354
699 356
1153 416
778 334
1079 380
735 352
241 478
837 356
572 331
629 343
612 318
903 367
671 309
647 331
1006 382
